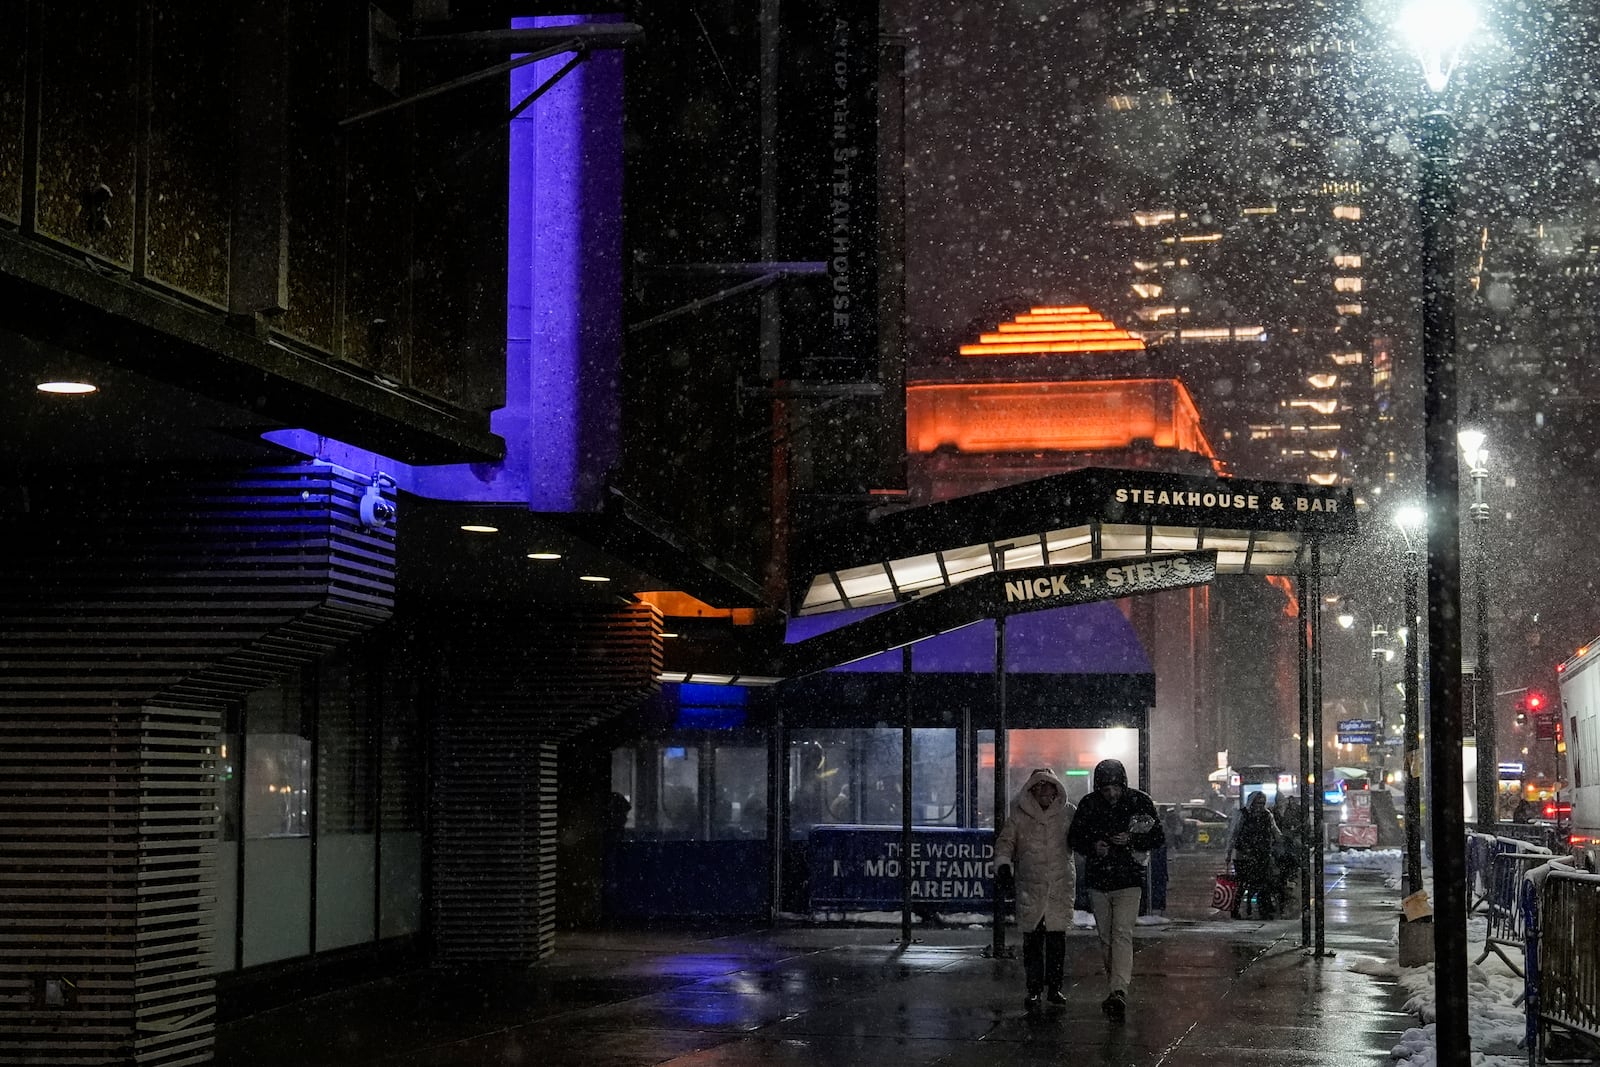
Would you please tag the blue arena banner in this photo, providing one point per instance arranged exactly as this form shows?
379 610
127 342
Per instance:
857 868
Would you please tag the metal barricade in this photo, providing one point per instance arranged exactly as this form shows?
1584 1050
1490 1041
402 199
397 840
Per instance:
1562 986
1505 912
1481 850
1533 833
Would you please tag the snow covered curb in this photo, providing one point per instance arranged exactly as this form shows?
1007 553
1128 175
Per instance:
1495 1023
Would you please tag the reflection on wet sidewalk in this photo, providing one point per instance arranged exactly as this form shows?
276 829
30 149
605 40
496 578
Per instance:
1206 991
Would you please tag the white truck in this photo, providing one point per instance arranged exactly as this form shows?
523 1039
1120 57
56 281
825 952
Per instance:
1579 719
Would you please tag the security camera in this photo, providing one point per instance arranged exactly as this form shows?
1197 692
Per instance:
377 512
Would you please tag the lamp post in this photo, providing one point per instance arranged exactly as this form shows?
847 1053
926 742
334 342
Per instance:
1437 29
1410 522
1471 439
1380 655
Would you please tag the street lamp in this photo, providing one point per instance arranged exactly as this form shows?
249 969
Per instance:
1381 654
1471 439
1412 525
1436 30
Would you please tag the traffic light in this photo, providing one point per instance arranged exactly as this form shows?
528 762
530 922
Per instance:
1535 702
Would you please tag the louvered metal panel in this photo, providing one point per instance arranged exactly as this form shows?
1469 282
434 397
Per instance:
516 687
116 663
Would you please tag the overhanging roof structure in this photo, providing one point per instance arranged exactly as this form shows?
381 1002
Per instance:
1256 528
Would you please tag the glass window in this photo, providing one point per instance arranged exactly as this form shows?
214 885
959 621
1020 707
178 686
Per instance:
277 825
935 770
399 806
678 794
345 801
853 776
277 794
819 779
624 788
739 774
1072 754
347 845
225 945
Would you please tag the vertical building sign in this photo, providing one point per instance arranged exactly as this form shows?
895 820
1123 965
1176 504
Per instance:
827 140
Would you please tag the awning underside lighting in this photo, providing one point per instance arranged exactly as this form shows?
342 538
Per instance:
892 581
702 678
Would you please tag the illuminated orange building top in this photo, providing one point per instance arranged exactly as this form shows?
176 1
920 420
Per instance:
1056 416
1050 409
1046 330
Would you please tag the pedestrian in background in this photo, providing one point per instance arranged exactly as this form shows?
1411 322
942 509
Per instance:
1114 829
1252 851
1031 853
1291 845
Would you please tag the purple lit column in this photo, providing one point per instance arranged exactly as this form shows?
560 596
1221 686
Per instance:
564 276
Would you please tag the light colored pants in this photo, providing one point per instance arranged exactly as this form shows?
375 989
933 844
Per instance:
1114 915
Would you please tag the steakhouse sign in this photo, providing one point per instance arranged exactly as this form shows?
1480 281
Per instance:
1102 582
994 595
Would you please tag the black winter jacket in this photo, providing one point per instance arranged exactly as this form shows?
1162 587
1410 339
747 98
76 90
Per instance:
1098 820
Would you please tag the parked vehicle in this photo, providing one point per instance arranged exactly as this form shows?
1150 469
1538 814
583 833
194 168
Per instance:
1578 728
1203 826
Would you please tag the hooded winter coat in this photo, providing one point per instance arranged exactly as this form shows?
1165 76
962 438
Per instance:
1034 843
1098 819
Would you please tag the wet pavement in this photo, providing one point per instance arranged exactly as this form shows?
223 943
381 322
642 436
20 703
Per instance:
1205 991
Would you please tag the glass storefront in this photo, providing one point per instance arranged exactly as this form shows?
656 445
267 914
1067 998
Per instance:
854 776
319 815
1072 754
691 786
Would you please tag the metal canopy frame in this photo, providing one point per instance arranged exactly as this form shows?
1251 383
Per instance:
534 44
1274 528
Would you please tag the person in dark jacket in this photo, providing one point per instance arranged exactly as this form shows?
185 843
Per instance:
1114 829
1251 851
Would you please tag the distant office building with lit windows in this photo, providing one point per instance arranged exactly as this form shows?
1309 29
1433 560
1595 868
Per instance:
1243 247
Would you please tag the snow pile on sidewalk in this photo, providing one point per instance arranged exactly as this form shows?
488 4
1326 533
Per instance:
1496 1025
1388 860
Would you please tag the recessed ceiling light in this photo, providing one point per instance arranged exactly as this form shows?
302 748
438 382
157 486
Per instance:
544 555
593 578
66 387
475 528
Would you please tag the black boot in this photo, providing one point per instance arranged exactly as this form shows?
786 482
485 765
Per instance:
1032 1003
1115 1005
1055 997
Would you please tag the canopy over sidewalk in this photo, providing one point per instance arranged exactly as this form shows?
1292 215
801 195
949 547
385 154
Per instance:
1255 527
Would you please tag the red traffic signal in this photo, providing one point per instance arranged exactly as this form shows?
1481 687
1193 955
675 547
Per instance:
1535 701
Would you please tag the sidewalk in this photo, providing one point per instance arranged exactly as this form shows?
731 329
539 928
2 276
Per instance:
1205 992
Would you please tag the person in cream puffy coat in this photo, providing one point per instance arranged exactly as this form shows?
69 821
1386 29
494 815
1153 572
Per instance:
1031 852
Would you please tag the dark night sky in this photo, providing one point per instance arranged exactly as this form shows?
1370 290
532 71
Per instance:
1008 188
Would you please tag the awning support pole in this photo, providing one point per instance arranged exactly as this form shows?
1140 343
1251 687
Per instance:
905 795
1319 859
1001 757
1303 742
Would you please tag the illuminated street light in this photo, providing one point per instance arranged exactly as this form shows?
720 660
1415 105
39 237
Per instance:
1471 439
1437 31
